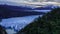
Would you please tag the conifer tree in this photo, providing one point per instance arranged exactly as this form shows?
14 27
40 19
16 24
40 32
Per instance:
47 24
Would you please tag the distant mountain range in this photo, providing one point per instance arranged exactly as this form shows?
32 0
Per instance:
11 9
7 11
47 7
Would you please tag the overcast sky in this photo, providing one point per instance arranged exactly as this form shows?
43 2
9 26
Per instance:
27 0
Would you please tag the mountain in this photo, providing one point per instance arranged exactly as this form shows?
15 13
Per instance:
7 11
47 7
47 24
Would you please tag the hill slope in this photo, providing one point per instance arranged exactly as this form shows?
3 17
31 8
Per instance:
48 24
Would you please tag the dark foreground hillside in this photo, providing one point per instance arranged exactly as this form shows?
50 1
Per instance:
48 24
2 30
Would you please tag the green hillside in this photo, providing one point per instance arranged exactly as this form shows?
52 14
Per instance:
47 24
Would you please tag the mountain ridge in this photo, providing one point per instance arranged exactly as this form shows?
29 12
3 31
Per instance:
7 11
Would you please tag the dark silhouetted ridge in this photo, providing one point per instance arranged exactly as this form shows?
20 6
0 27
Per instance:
7 11
47 24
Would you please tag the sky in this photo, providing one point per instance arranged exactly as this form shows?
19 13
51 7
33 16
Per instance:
17 1
29 0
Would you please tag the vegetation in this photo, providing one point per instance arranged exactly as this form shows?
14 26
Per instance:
2 30
47 24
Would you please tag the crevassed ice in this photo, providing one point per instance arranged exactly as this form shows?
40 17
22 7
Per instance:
18 22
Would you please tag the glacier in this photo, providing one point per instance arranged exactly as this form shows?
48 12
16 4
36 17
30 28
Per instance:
17 23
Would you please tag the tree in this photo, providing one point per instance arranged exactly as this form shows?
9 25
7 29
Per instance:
2 30
47 24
